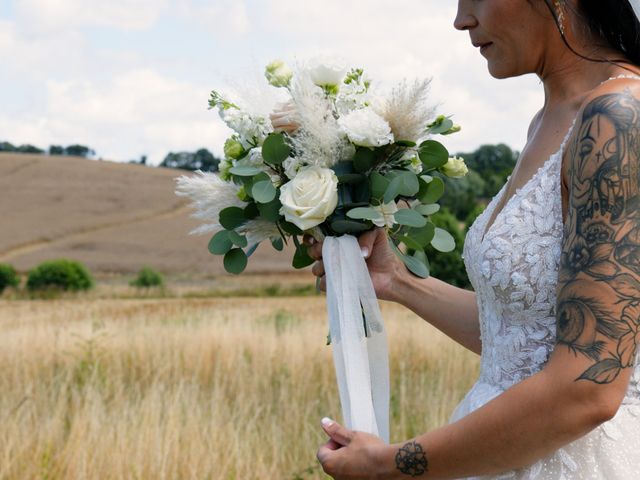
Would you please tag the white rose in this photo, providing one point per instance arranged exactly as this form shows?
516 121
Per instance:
386 212
310 197
326 72
366 128
455 167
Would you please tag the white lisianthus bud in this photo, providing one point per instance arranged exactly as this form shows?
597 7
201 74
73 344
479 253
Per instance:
310 197
386 211
278 73
326 72
455 167
366 128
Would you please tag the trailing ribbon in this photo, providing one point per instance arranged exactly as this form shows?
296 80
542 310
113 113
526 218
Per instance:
358 337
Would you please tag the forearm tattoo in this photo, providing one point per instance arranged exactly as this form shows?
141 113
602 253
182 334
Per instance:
411 459
598 307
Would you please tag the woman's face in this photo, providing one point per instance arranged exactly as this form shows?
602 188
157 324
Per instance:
516 33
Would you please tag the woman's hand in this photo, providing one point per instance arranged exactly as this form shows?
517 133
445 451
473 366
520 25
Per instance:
284 118
349 454
384 266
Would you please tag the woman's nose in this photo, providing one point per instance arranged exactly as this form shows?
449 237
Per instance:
464 18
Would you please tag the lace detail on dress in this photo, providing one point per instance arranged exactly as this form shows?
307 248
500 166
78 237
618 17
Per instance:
514 272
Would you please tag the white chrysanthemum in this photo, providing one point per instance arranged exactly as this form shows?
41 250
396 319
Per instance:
291 166
319 140
406 110
257 230
209 195
366 128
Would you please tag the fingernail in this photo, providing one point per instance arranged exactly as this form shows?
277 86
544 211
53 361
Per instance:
326 421
365 252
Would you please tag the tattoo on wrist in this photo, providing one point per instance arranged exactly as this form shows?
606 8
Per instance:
411 459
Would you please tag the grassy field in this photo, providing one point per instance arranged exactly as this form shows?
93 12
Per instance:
202 388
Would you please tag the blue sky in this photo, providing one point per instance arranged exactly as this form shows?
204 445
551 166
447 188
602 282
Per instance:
132 77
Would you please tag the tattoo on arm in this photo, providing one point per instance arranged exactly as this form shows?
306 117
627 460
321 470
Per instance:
598 307
411 459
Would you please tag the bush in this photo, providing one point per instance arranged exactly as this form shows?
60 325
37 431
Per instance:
8 277
147 277
61 273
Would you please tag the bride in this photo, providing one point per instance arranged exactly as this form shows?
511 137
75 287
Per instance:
554 261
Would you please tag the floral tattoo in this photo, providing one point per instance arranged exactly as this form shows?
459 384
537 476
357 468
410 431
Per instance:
598 307
411 459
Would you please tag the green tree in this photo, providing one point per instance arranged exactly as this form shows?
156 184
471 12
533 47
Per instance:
8 277
61 273
7 147
56 150
461 194
448 267
202 159
79 151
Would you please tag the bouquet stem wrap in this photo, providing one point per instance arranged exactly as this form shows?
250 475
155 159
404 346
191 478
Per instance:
358 337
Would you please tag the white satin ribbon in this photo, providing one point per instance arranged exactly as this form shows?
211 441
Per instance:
636 7
361 362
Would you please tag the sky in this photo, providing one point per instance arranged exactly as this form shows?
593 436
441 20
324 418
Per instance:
132 77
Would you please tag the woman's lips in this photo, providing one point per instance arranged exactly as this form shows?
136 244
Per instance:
484 47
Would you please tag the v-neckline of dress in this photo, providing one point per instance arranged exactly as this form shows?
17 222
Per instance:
486 229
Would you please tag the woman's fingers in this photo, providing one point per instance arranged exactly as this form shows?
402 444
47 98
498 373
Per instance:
318 269
315 247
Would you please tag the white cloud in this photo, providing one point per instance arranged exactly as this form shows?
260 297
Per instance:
46 16
220 17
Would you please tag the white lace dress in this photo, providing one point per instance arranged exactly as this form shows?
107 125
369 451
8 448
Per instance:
514 272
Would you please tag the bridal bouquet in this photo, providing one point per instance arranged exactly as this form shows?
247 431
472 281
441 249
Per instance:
340 164
333 159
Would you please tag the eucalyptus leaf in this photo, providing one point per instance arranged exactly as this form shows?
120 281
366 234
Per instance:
378 185
410 242
301 258
443 241
409 217
232 217
422 235
220 243
416 266
393 189
270 211
431 192
446 124
290 228
366 213
405 143
428 209
277 244
237 239
275 149
432 154
235 261
252 249
264 191
244 171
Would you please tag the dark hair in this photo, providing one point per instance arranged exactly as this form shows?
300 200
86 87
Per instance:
615 22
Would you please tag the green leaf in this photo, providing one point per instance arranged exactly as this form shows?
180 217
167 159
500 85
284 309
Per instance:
443 241
402 183
270 211
428 209
409 217
379 185
277 244
220 243
446 125
432 154
410 242
232 217
366 213
235 260
237 239
275 149
405 143
244 171
301 258
263 191
363 159
252 249
422 235
251 211
290 228
348 226
416 266
432 191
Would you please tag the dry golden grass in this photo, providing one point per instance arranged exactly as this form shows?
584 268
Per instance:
227 388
